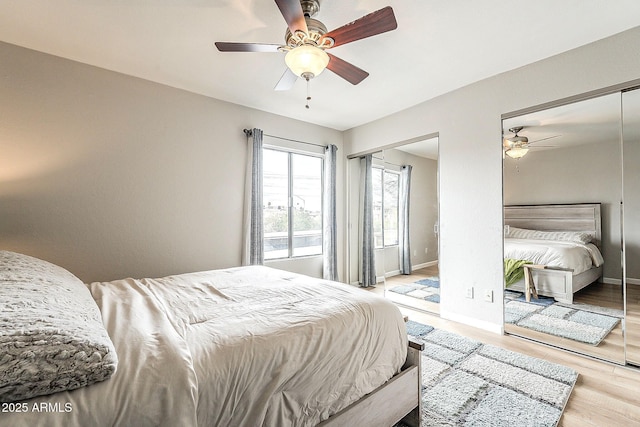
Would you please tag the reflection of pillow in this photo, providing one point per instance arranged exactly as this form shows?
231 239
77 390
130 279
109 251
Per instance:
51 332
566 236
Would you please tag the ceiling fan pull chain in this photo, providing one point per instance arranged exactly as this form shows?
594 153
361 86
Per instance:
308 93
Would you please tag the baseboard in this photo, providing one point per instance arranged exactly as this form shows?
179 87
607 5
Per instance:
611 281
424 265
413 268
392 273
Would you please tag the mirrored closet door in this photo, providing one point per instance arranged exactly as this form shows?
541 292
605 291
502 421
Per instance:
392 223
631 194
410 244
562 180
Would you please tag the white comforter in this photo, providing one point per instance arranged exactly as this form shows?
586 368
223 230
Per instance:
248 346
575 256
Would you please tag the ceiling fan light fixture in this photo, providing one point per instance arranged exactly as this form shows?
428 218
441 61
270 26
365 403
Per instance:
307 61
517 152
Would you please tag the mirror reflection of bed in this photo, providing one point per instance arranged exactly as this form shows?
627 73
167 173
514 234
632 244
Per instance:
560 245
564 197
571 290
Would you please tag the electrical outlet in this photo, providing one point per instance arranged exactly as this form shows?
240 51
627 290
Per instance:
470 293
415 253
488 295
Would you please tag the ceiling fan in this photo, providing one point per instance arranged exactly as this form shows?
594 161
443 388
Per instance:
307 39
517 146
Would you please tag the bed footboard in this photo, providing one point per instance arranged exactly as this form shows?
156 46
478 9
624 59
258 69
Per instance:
399 399
559 283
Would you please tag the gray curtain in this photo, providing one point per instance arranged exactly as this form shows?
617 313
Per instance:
403 220
253 248
368 256
329 226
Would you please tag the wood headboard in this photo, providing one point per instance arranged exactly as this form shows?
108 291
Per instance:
571 217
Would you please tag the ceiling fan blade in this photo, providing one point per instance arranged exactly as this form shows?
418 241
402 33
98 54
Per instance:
246 47
543 139
294 16
287 80
369 25
347 71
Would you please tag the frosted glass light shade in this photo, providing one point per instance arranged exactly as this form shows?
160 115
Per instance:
306 59
517 152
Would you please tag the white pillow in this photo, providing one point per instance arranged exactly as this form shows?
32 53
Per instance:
565 236
51 333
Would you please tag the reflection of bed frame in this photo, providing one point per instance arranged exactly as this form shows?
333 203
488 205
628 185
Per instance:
560 284
397 399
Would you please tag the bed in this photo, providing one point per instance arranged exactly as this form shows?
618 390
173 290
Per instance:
562 243
246 346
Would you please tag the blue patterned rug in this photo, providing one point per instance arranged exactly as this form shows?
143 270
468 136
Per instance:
468 383
425 289
577 322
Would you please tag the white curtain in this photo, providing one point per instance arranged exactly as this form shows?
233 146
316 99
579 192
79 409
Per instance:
368 263
403 220
329 226
253 247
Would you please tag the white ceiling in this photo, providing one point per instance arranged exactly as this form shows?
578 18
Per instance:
590 121
427 148
439 46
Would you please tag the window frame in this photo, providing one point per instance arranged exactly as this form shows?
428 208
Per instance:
382 187
290 205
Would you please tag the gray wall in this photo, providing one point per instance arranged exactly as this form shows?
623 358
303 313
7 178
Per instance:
423 213
113 176
589 173
423 209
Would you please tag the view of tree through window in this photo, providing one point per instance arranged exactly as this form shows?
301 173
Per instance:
292 210
385 207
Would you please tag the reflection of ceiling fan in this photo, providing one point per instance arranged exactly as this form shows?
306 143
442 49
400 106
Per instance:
517 146
307 39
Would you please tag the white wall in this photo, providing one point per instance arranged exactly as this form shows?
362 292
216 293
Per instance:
469 125
113 176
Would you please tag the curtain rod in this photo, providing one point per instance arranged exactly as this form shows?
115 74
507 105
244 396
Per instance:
249 132
384 161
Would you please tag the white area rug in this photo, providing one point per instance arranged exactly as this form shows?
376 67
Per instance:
582 323
468 383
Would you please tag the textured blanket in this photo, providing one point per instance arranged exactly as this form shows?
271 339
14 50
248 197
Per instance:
51 332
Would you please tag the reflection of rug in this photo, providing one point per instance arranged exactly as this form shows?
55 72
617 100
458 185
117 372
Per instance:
580 323
465 382
425 289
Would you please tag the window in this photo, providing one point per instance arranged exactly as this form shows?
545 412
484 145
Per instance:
385 207
292 211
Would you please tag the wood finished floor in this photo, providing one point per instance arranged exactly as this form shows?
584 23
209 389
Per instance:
605 394
632 322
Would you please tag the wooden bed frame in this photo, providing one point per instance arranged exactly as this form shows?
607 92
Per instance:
399 399
558 283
